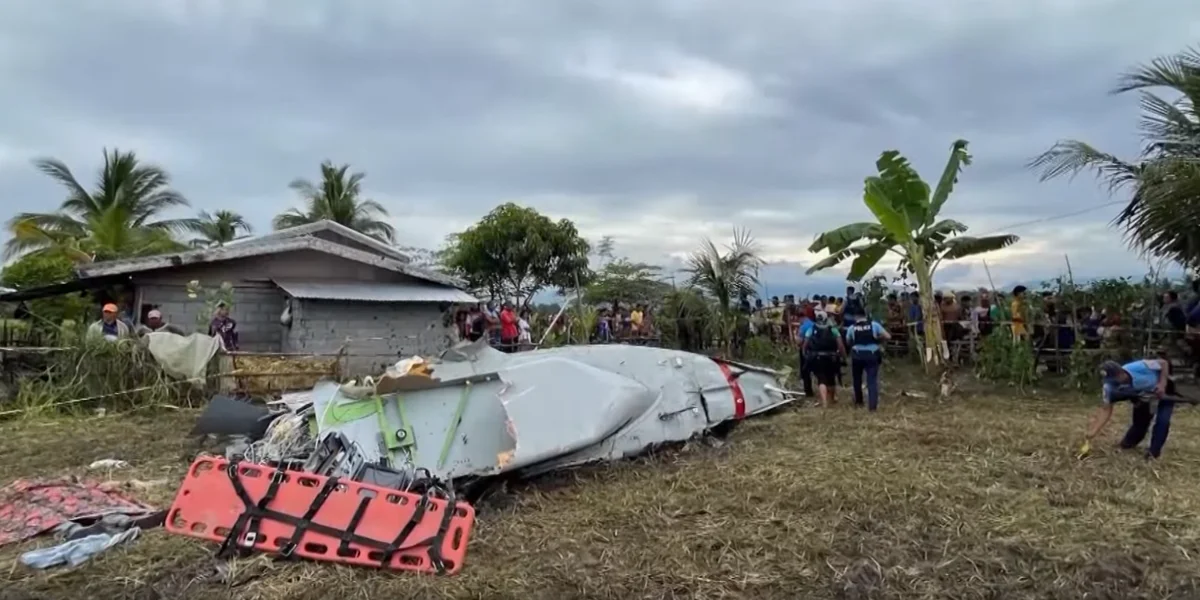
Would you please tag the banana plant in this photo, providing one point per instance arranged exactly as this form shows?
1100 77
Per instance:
908 226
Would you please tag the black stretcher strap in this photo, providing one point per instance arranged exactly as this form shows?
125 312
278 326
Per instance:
306 520
435 546
352 526
252 516
258 511
392 548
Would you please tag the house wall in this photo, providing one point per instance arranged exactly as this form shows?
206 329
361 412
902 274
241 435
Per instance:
375 334
256 308
379 331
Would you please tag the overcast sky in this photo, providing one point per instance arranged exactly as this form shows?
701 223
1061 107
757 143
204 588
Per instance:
657 122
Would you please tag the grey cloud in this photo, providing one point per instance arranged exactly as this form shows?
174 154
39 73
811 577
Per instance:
460 105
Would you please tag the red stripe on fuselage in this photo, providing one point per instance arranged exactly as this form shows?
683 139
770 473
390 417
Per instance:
739 399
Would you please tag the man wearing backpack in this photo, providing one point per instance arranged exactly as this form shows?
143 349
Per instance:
823 351
863 337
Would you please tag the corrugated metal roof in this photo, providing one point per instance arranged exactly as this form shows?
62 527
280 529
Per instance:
373 292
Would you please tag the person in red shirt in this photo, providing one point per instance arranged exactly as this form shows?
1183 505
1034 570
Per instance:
508 328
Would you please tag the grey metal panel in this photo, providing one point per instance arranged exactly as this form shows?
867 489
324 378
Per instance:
372 292
559 407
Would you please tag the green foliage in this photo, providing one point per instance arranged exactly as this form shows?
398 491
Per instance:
516 252
97 373
212 297
907 225
875 290
118 219
337 198
41 269
686 320
760 351
726 276
1005 360
628 283
1162 217
1083 366
37 270
219 228
583 324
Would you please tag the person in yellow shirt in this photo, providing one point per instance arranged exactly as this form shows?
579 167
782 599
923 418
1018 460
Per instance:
635 319
1019 313
775 319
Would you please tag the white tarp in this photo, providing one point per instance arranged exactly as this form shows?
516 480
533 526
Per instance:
184 357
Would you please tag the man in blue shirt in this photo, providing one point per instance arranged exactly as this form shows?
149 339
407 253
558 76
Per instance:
863 339
806 375
1139 382
914 314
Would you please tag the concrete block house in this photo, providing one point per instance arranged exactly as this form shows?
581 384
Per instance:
343 289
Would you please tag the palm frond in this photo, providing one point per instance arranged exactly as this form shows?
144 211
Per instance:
291 218
78 200
964 246
1176 71
1072 157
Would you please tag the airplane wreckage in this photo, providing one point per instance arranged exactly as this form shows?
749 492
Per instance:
355 472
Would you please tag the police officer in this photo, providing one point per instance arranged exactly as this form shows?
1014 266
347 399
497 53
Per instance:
823 350
863 338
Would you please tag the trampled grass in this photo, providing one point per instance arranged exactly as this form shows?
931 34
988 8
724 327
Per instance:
980 497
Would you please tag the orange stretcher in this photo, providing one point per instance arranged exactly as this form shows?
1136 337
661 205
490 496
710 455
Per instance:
248 506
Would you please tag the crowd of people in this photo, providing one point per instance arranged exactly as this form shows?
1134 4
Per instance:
511 329
115 325
972 316
831 332
504 326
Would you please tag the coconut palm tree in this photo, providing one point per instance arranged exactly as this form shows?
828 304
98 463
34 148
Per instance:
119 218
908 227
725 276
1162 217
336 198
219 228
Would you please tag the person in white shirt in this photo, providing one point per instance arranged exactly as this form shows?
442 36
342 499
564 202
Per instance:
525 336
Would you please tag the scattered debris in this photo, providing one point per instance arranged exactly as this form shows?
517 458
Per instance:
364 473
76 551
31 507
110 464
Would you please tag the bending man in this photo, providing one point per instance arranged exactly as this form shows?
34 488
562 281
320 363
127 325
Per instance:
1135 382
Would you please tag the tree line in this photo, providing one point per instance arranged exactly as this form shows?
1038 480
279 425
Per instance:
514 252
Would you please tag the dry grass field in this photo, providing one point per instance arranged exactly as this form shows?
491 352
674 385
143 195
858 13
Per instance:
978 498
